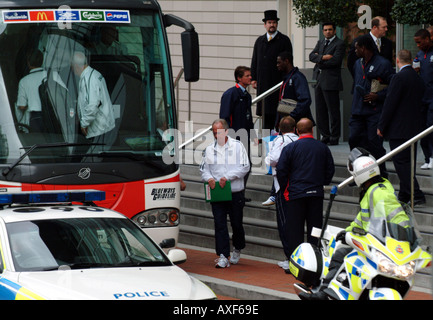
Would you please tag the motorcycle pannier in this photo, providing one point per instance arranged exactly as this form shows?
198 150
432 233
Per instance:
306 264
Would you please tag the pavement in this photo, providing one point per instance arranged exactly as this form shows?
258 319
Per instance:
252 278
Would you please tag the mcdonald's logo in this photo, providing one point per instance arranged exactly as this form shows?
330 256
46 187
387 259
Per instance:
41 16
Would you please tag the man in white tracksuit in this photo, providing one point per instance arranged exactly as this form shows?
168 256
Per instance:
287 129
95 109
226 160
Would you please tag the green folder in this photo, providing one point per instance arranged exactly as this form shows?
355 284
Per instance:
218 194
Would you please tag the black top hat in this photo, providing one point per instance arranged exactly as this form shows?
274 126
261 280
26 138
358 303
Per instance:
270 15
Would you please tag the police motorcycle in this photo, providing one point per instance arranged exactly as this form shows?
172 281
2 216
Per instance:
380 265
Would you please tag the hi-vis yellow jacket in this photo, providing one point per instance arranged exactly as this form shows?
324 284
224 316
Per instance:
380 200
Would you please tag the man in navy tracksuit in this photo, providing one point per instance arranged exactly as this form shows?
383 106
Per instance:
295 87
425 57
367 104
304 167
235 107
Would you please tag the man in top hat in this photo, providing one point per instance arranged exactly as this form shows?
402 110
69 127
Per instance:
264 70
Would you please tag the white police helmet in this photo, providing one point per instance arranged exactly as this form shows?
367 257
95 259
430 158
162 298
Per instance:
362 166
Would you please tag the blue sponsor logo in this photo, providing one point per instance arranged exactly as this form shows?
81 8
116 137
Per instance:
117 16
67 15
13 16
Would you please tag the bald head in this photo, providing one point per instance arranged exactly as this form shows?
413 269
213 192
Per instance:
305 126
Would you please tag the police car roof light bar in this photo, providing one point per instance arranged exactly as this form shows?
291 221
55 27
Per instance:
84 196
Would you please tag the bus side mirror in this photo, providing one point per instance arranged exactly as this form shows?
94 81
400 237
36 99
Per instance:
190 47
191 55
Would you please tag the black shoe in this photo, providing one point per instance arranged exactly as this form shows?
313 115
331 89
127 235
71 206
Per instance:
418 202
333 142
325 140
320 295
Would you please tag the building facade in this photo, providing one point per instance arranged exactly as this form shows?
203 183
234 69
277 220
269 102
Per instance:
227 32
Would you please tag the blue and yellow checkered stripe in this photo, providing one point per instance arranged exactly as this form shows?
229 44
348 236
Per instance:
298 256
10 290
357 272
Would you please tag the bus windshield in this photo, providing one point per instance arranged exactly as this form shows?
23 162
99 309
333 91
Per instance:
84 91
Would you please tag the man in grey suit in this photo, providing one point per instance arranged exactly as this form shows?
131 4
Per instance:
328 56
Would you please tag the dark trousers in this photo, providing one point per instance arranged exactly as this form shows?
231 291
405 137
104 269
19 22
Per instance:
363 133
282 222
328 113
403 168
233 209
36 122
270 107
427 141
300 211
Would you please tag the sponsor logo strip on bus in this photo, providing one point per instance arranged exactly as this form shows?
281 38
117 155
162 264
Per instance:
69 15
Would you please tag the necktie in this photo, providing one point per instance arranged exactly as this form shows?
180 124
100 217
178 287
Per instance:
326 44
270 38
378 44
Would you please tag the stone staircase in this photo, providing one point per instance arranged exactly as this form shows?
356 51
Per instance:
196 227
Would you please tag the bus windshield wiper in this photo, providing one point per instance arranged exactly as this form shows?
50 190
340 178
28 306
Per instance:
44 146
128 155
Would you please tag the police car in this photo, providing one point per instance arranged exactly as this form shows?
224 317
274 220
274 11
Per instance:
51 249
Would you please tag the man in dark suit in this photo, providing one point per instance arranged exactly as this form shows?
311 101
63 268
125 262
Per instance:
384 46
328 56
401 120
264 70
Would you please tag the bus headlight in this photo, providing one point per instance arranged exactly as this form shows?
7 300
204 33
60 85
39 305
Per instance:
165 217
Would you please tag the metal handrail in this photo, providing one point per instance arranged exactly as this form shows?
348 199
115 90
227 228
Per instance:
254 101
267 93
176 87
410 143
179 75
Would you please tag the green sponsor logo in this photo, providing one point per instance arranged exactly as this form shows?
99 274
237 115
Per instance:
92 15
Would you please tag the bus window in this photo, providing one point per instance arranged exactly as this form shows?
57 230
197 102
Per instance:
44 95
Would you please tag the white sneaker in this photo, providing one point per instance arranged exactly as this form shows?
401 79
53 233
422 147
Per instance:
236 255
222 262
427 166
269 202
284 264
